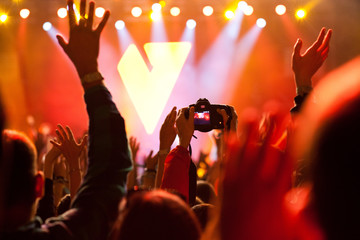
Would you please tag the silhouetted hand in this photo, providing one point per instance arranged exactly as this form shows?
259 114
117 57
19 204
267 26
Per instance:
234 119
254 184
185 127
134 147
305 65
50 159
151 161
68 146
83 45
168 131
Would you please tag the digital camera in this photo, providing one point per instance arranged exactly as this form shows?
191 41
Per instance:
206 117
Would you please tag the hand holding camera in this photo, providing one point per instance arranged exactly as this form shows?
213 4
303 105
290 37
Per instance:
210 116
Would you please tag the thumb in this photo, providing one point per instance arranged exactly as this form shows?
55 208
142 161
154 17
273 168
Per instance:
61 42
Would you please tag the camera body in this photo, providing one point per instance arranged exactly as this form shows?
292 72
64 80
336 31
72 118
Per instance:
206 117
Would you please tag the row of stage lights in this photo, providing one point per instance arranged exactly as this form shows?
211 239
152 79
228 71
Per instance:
174 11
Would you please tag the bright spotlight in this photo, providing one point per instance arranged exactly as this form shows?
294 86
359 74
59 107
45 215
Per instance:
3 17
261 23
99 12
242 5
62 13
191 24
300 14
280 10
24 13
136 11
249 10
175 11
120 24
47 26
229 14
156 7
208 10
155 16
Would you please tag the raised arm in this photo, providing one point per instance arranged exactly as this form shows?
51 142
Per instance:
177 163
96 202
306 65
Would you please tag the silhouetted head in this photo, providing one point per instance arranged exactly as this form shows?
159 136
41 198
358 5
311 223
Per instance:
335 166
205 191
157 215
202 212
22 184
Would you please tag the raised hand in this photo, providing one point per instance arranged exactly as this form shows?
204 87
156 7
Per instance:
151 161
168 131
305 65
68 146
185 126
255 181
134 147
83 45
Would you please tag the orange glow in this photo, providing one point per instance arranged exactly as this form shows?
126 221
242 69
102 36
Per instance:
149 90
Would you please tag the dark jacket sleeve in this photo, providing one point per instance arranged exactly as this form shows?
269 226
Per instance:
299 100
96 203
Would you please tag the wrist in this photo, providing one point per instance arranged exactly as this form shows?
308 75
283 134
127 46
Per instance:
86 69
91 79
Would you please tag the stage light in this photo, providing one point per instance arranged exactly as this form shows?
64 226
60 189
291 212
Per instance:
261 23
175 11
62 13
191 24
300 14
3 17
162 3
99 12
136 11
208 10
280 10
156 7
120 24
24 13
249 10
47 26
229 14
242 5
155 16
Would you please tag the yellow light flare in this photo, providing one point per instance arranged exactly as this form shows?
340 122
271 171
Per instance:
201 172
301 13
3 17
149 90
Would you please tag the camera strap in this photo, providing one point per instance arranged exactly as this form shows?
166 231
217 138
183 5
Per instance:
190 149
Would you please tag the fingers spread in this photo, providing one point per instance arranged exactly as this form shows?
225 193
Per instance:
103 22
90 19
326 41
72 18
70 134
320 39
